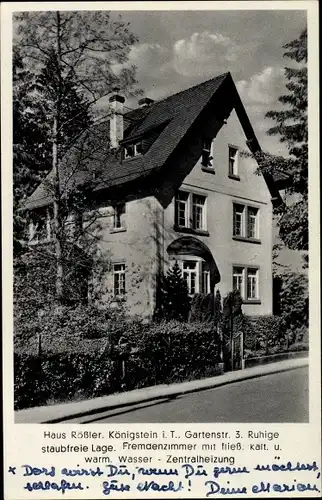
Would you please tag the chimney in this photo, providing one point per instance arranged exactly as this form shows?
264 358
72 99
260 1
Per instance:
116 120
145 101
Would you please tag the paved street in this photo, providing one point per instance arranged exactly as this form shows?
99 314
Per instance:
280 397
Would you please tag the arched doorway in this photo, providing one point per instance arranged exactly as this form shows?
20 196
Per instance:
197 264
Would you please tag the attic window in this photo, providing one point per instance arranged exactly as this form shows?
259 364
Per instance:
207 154
132 150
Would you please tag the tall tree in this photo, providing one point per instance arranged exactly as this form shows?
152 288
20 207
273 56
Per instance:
76 52
292 128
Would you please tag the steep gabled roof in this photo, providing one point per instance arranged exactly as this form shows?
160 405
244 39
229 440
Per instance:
174 115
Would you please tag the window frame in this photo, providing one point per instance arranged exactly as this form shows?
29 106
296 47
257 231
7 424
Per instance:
48 218
190 217
208 148
246 270
233 171
135 151
118 211
119 273
199 270
245 222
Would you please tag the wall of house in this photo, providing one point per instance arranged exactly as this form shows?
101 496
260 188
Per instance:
221 192
135 246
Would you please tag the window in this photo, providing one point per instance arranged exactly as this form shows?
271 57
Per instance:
190 211
233 161
198 205
119 280
182 212
117 215
41 226
245 280
252 222
132 150
190 274
205 280
252 284
245 222
238 227
207 153
238 280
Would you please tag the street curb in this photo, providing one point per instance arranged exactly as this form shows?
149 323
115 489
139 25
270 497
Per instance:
163 392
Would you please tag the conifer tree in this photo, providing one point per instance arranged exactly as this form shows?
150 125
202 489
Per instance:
292 128
175 297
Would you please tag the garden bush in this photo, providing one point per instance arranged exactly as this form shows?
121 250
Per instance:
263 333
156 353
62 377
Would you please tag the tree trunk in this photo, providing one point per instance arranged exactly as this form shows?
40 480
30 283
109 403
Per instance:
58 229
57 221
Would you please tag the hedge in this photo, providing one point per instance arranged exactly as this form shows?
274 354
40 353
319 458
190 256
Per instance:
154 354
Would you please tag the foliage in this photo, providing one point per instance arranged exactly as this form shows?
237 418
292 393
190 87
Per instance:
164 352
174 297
72 56
294 301
218 308
263 333
292 128
62 377
202 307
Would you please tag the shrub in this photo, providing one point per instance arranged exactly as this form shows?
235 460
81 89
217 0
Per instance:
202 307
293 300
263 333
174 301
158 353
61 377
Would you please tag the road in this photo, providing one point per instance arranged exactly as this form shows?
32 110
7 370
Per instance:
280 397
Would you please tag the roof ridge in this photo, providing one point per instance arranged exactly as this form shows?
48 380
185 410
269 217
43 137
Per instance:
222 75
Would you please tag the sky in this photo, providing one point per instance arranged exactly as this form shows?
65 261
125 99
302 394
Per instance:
177 50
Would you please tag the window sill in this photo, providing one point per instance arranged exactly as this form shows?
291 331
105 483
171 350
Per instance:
254 301
119 298
208 170
248 240
234 177
118 230
190 230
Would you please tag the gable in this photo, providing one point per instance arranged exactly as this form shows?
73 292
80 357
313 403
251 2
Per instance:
165 126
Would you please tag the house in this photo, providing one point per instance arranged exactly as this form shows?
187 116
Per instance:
175 184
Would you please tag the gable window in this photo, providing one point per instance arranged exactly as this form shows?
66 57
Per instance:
245 280
118 211
207 153
190 211
246 222
132 150
119 280
233 162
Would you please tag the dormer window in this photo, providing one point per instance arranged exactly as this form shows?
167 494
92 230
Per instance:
207 154
132 150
